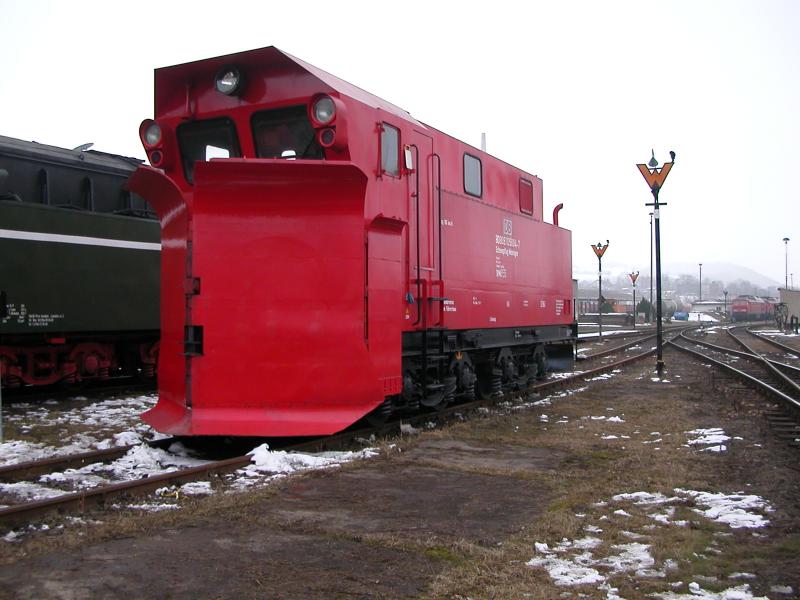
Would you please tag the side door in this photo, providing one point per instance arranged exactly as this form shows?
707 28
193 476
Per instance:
423 227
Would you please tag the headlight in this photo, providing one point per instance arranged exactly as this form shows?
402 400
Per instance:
152 134
326 137
228 81
324 110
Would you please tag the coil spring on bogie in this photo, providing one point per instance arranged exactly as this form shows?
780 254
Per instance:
496 385
384 411
449 391
411 393
469 392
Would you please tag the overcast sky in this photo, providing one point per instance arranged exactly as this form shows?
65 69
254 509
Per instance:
574 92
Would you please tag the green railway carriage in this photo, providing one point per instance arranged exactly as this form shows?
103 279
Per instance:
79 267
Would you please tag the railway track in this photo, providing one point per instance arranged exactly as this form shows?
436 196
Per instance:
776 380
743 336
25 470
641 331
791 370
617 347
791 351
642 337
101 389
79 501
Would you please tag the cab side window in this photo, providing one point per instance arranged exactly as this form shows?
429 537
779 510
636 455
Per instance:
525 197
390 149
473 176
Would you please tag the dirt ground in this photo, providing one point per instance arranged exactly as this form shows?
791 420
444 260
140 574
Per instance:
457 513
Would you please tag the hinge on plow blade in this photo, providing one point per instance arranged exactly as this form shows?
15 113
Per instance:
191 286
193 340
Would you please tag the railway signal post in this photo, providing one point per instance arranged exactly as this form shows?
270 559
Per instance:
700 298
650 309
655 177
786 263
634 277
599 250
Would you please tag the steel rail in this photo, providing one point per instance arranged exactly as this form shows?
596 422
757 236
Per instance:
616 349
792 403
776 343
98 389
741 354
644 331
781 376
78 501
25 470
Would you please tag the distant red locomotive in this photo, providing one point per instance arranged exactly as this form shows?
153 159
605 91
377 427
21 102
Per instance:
752 308
325 256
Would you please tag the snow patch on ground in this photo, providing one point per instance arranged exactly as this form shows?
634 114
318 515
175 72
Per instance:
741 592
270 464
105 424
707 437
589 560
735 510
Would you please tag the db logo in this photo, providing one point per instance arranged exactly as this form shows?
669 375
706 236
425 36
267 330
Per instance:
507 227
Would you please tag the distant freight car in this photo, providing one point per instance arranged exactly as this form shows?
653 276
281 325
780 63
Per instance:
327 256
79 267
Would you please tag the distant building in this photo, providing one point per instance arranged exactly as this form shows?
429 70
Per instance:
588 305
709 306
792 300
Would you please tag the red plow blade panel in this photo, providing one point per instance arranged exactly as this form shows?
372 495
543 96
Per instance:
171 207
279 250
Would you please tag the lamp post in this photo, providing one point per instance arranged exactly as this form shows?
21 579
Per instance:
599 250
634 277
786 263
655 177
725 293
650 312
701 282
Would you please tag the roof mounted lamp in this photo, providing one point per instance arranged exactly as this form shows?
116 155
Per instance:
229 81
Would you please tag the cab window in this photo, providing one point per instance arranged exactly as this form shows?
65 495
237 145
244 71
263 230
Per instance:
390 149
285 133
525 197
204 140
473 176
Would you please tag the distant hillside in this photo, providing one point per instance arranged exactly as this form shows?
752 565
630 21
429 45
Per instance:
725 272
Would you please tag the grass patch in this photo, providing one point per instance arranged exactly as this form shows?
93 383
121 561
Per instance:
446 555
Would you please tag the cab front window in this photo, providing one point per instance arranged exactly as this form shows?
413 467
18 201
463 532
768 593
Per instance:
285 133
204 140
